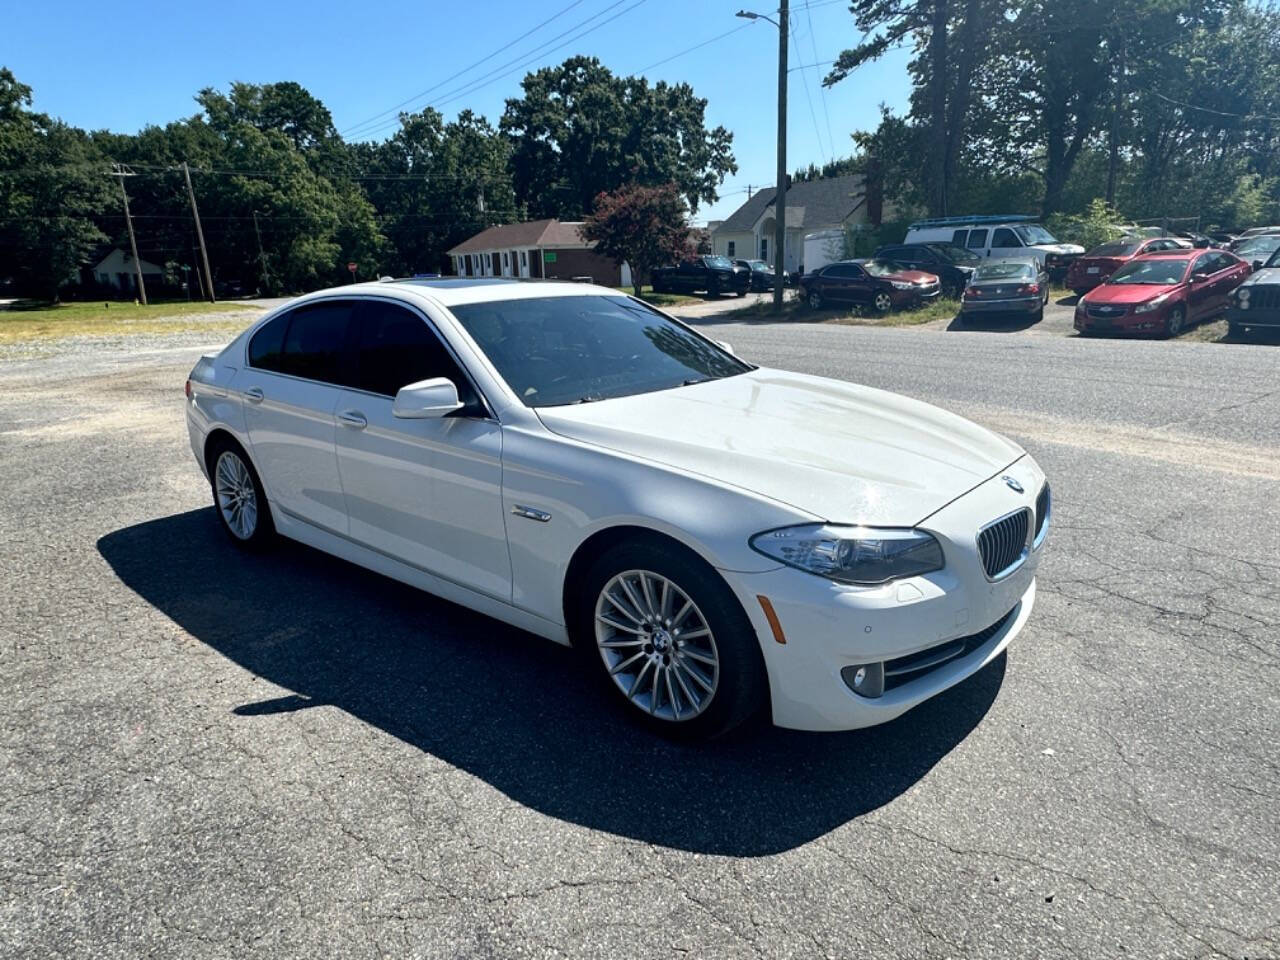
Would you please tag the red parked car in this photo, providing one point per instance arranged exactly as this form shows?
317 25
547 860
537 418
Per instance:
880 284
1102 261
1163 293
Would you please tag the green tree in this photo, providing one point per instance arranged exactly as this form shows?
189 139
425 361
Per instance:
578 130
51 186
643 226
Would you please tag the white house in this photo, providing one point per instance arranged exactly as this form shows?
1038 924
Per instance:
814 205
117 270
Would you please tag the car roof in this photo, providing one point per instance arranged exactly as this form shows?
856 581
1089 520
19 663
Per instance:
455 291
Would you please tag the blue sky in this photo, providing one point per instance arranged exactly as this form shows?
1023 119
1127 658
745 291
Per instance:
123 68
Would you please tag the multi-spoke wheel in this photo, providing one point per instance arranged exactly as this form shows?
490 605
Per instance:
1174 324
882 302
238 496
656 645
671 639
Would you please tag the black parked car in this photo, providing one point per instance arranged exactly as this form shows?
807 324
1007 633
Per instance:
1254 306
952 265
710 274
762 276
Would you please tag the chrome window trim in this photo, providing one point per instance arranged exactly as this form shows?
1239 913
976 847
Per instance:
1026 546
490 414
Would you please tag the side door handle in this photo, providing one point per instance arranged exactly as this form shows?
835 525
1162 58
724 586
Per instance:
254 394
353 419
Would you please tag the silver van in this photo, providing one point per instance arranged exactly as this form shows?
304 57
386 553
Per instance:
1012 236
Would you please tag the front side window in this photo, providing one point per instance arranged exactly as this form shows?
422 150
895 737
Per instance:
560 350
314 342
396 348
1034 233
1004 237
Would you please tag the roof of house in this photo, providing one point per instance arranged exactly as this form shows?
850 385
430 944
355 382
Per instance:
531 233
811 205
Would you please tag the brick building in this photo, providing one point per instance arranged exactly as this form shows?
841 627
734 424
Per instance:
537 248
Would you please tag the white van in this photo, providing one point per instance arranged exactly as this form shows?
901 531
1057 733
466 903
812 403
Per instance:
821 248
1017 237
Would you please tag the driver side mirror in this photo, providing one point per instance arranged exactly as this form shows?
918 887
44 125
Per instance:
1257 264
426 400
1199 277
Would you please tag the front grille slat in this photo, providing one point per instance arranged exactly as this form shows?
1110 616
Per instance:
902 670
1002 544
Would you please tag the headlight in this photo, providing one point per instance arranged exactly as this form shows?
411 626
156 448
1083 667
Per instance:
900 286
1150 305
861 555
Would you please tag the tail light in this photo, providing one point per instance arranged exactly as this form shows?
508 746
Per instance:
972 293
1029 288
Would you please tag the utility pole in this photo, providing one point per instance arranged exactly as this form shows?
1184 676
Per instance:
204 254
780 191
128 221
780 197
262 257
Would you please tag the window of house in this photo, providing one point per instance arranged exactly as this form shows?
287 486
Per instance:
731 249
764 249
524 259
506 261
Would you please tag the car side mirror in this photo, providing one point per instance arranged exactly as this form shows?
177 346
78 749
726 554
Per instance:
426 400
1257 264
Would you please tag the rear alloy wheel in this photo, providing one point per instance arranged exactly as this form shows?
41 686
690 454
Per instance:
815 300
1177 319
672 641
882 302
239 498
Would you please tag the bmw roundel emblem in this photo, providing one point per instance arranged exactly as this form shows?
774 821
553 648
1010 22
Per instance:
1012 484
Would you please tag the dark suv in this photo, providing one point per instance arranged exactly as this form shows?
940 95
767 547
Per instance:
712 274
1254 306
952 265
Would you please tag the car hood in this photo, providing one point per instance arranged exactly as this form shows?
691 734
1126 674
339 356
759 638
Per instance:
1267 276
1128 292
1059 248
835 450
911 276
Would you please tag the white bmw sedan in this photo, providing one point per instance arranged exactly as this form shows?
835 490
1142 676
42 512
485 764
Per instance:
717 539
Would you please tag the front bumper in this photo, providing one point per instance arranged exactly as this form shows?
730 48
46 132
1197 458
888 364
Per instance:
1015 305
1151 323
1253 319
828 626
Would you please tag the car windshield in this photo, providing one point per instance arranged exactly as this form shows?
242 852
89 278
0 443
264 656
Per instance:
1165 271
761 266
1003 271
560 350
881 268
722 262
1258 247
1274 261
1034 233
1113 250
953 253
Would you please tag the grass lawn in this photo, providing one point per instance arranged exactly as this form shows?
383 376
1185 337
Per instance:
51 321
660 299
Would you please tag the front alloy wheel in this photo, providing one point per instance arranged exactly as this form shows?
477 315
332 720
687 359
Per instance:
1177 317
882 302
656 645
815 300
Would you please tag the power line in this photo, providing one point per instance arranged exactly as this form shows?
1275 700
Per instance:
809 99
822 91
467 69
697 46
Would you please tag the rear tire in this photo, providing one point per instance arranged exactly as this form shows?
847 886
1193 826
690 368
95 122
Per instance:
815 300
238 496
628 628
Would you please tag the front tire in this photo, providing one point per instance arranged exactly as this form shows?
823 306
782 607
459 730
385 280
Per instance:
238 497
1176 322
669 639
815 300
882 303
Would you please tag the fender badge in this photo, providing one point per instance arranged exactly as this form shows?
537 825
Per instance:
1012 484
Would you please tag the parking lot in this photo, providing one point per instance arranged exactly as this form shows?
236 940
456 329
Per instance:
214 755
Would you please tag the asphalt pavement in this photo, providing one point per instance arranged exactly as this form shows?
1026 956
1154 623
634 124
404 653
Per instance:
213 755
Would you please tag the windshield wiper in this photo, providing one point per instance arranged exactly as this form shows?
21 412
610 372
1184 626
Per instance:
692 380
589 398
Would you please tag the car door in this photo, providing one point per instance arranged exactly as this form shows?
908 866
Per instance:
1201 299
977 242
1005 243
858 284
426 492
290 388
837 282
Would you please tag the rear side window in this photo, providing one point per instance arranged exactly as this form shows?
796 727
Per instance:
958 238
977 239
397 348
314 343
266 348
842 271
1004 237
